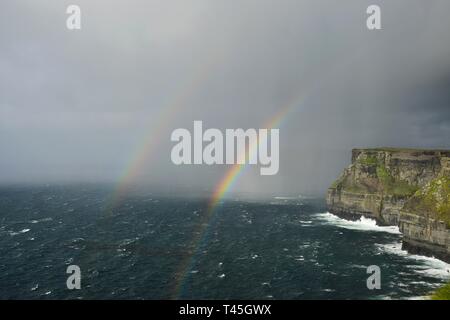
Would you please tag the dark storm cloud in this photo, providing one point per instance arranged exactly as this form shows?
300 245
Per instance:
75 106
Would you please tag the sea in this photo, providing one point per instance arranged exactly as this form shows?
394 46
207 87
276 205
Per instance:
171 246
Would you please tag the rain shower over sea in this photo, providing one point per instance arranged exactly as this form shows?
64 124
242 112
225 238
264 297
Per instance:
154 246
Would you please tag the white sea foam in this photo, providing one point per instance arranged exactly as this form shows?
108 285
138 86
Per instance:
286 198
417 298
19 232
423 265
363 224
426 265
41 220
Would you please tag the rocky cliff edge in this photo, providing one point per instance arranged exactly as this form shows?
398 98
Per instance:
405 187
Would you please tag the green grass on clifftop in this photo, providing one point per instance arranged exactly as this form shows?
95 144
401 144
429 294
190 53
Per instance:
442 293
394 149
369 160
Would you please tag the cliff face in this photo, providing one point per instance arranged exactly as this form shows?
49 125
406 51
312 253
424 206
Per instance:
408 188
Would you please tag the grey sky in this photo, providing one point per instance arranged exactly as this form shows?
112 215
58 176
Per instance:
77 105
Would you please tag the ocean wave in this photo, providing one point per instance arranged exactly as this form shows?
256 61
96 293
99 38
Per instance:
12 233
363 224
390 297
428 266
41 220
285 198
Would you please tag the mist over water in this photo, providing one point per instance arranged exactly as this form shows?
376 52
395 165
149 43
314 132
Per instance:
283 248
79 106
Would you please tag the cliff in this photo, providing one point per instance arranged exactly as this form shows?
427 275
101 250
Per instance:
405 187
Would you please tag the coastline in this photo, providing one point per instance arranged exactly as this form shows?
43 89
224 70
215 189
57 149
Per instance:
369 224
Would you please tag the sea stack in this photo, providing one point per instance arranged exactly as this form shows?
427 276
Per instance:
405 187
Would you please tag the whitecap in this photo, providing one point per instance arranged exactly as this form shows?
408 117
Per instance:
358 266
12 233
363 224
41 220
285 198
417 298
426 265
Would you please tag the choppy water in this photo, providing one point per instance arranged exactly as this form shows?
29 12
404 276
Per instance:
281 249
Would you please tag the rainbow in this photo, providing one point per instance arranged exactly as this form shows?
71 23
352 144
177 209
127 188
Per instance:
152 136
220 191
232 175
